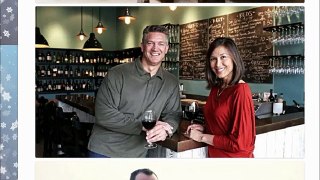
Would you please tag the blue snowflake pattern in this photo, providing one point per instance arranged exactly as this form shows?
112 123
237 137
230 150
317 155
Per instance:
9 113
9 22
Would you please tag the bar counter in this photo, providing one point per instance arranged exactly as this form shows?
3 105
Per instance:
179 141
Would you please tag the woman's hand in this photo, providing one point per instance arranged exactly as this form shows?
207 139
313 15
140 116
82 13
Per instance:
196 135
197 127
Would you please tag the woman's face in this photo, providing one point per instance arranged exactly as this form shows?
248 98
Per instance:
221 63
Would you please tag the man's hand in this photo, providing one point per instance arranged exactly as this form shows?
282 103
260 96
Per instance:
160 132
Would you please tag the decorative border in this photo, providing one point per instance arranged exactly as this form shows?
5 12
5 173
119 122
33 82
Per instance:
9 89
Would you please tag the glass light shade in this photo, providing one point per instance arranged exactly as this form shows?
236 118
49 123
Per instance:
127 18
81 35
172 8
100 28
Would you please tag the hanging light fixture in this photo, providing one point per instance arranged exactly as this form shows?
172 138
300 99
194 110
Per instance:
41 42
172 8
126 17
92 44
81 34
100 27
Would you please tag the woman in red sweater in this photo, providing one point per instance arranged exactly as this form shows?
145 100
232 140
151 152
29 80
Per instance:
229 115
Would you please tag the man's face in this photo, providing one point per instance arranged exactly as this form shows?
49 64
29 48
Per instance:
142 176
154 48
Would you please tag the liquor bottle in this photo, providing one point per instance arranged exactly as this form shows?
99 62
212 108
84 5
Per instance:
76 59
66 58
81 59
66 71
38 71
42 71
86 73
49 71
67 86
71 72
58 58
87 59
54 85
45 86
59 72
71 58
54 57
76 85
271 97
49 58
58 85
38 86
40 57
78 72
54 71
49 86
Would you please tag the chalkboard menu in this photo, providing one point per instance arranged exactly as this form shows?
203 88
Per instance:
193 48
246 28
217 27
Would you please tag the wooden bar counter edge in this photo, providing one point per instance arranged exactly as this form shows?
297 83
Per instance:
180 142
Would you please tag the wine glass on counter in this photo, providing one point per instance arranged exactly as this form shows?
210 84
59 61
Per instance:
191 111
148 122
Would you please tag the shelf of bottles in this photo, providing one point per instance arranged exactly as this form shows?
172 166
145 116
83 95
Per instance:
76 71
171 61
286 64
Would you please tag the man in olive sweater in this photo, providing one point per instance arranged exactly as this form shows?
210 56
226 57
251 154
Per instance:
126 92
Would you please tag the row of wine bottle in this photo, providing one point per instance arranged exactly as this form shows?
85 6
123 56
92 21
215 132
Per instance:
68 71
64 85
80 58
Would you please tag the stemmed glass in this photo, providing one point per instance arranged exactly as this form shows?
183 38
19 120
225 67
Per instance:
271 65
149 121
192 110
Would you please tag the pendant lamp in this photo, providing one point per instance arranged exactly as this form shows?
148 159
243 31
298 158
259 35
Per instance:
126 17
41 42
100 28
172 8
81 34
92 44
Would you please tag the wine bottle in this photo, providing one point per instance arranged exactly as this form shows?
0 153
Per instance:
66 58
43 71
49 71
71 72
66 71
49 58
54 71
271 97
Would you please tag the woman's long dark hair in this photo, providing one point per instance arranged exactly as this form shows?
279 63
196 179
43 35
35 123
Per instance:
238 65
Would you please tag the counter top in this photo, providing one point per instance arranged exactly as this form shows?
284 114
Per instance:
179 142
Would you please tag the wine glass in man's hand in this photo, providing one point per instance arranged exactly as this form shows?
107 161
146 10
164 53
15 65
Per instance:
149 121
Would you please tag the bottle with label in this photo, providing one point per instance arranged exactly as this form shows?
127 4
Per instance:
271 97
49 58
277 107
